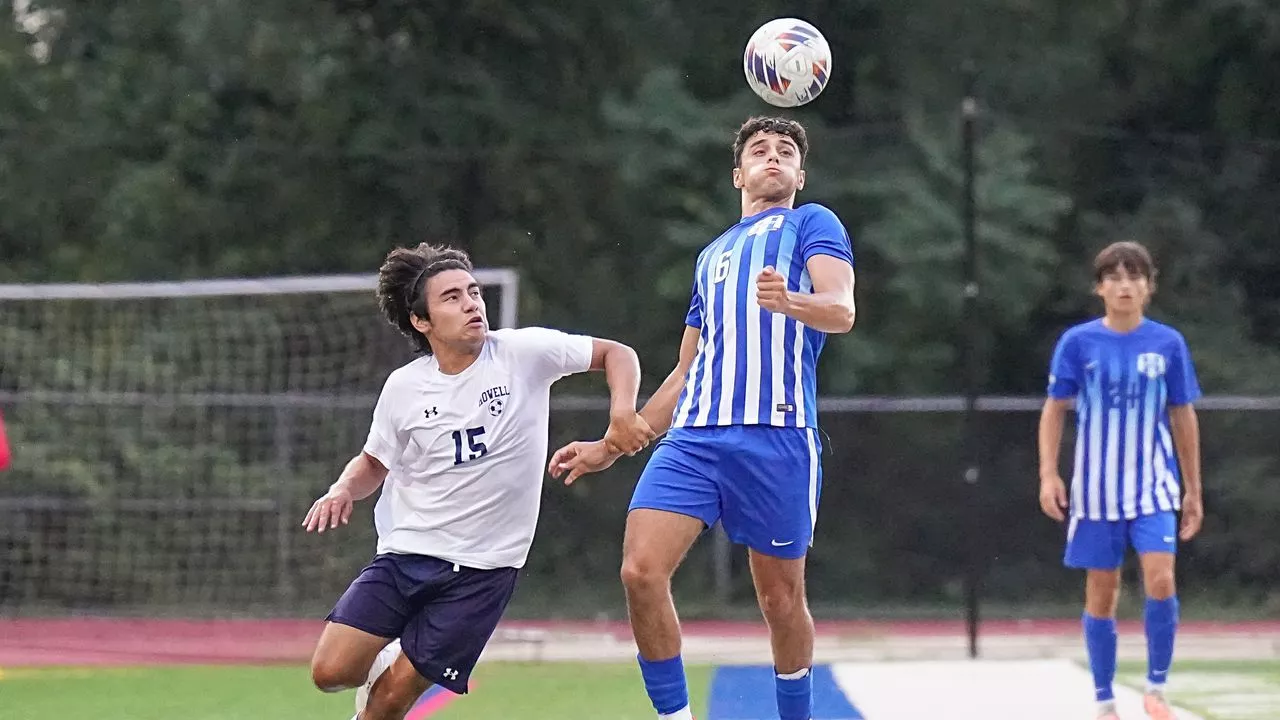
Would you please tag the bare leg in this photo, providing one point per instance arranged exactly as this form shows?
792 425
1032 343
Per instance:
653 547
1158 575
1102 593
343 657
395 691
780 591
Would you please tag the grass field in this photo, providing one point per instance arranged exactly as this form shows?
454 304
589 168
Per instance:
1220 690
546 691
560 691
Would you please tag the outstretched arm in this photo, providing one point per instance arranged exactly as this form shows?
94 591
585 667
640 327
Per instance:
627 432
363 474
661 407
580 458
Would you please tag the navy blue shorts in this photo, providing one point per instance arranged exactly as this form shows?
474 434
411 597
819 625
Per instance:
762 483
443 616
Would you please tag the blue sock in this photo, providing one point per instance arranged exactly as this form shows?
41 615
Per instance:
1161 619
1100 640
664 681
795 695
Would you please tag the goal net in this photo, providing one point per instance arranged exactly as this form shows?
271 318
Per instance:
168 438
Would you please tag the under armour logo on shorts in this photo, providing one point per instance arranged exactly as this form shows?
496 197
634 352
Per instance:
450 674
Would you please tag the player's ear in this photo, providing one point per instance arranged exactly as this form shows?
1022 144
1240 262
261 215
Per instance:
737 178
419 323
800 180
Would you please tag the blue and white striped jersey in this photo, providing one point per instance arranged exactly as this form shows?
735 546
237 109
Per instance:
1124 384
755 367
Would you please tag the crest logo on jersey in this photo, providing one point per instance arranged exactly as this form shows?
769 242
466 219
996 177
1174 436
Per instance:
1153 365
496 399
768 224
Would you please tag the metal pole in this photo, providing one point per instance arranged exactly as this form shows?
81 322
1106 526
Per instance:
284 509
971 438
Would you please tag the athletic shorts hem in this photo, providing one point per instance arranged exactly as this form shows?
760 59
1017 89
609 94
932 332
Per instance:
648 505
435 676
793 551
362 627
1079 565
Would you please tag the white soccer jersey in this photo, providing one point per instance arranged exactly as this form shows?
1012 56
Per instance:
467 452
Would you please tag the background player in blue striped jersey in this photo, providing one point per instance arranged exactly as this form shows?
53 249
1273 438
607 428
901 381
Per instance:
741 405
1133 384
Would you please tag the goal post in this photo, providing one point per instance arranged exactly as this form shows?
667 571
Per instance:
505 280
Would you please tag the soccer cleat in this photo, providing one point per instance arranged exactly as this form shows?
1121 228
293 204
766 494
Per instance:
380 665
1156 706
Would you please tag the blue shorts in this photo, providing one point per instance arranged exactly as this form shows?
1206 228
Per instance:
1101 544
443 614
761 482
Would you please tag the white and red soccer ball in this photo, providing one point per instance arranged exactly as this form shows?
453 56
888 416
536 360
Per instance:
787 62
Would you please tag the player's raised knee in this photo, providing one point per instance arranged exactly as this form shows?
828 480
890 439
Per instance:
640 575
330 674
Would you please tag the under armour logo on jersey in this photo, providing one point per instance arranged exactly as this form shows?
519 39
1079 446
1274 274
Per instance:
764 225
450 674
1152 365
431 412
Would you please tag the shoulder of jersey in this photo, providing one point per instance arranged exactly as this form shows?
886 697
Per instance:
410 370
507 338
1166 332
814 209
1083 328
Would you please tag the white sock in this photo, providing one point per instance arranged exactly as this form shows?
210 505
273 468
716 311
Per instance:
1157 688
683 714
385 658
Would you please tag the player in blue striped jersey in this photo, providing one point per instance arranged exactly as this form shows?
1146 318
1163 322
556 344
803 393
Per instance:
1137 461
741 409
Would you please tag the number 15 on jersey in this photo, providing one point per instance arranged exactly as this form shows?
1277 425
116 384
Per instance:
474 447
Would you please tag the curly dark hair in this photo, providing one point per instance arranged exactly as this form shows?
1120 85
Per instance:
778 125
402 280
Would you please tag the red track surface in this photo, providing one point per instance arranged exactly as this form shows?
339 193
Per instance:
107 641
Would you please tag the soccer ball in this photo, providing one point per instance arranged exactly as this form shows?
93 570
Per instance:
787 62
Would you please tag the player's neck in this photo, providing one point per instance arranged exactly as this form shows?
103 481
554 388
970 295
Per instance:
752 206
454 361
1122 322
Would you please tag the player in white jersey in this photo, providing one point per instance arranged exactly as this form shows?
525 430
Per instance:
457 444
1132 383
741 406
